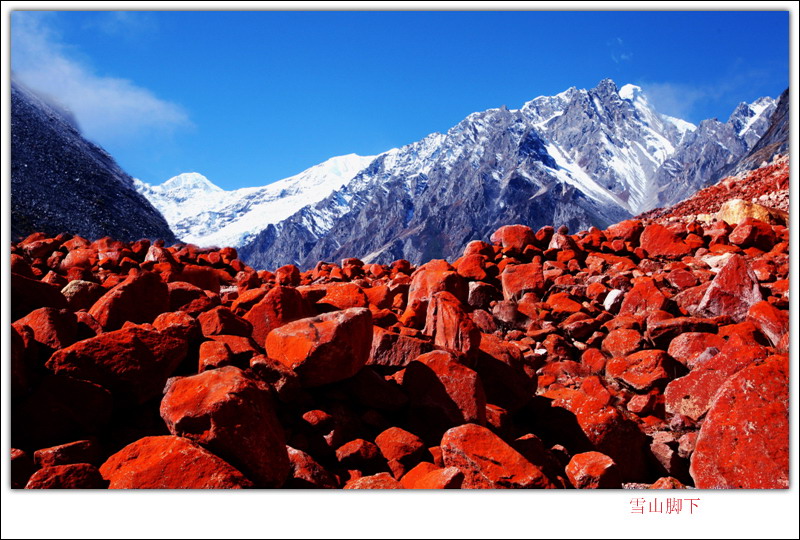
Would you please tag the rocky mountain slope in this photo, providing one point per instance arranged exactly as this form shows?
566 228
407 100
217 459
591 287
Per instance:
653 353
60 182
202 213
581 158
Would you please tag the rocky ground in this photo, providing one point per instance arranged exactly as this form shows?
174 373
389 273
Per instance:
651 354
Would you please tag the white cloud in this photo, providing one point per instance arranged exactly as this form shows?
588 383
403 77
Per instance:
107 108
674 99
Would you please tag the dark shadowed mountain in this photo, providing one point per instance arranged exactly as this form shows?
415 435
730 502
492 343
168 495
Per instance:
62 183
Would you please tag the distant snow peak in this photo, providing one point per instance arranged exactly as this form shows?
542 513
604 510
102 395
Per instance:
202 213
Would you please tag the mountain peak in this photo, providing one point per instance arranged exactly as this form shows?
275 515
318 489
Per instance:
190 181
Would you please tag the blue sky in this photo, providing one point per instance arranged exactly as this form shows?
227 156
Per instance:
247 98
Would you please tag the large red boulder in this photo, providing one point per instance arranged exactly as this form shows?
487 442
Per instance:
593 470
733 291
744 440
231 414
603 425
394 350
514 237
305 472
82 294
658 241
487 462
138 299
432 277
73 476
53 328
28 294
343 296
773 322
692 394
324 349
642 370
450 326
281 305
443 393
643 299
221 320
168 462
519 279
132 363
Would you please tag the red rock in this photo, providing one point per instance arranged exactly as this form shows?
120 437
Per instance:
681 279
450 326
305 472
222 320
744 441
390 349
643 299
661 332
280 306
622 342
378 481
605 427
213 355
687 348
53 328
132 363
642 404
753 233
398 444
138 299
561 305
501 368
732 292
473 267
86 451
344 296
75 476
773 322
361 455
247 299
21 468
29 294
324 349
514 237
242 348
627 231
593 470
432 277
594 361
421 470
168 462
658 241
443 393
201 276
179 324
487 462
692 394
519 279
667 482
288 275
449 478
189 298
82 294
231 414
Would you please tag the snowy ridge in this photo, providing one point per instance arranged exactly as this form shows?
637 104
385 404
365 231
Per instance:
231 218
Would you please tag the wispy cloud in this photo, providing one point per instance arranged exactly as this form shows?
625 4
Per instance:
618 51
675 99
107 108
122 24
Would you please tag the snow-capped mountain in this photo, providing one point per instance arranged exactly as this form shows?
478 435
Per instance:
202 213
579 158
